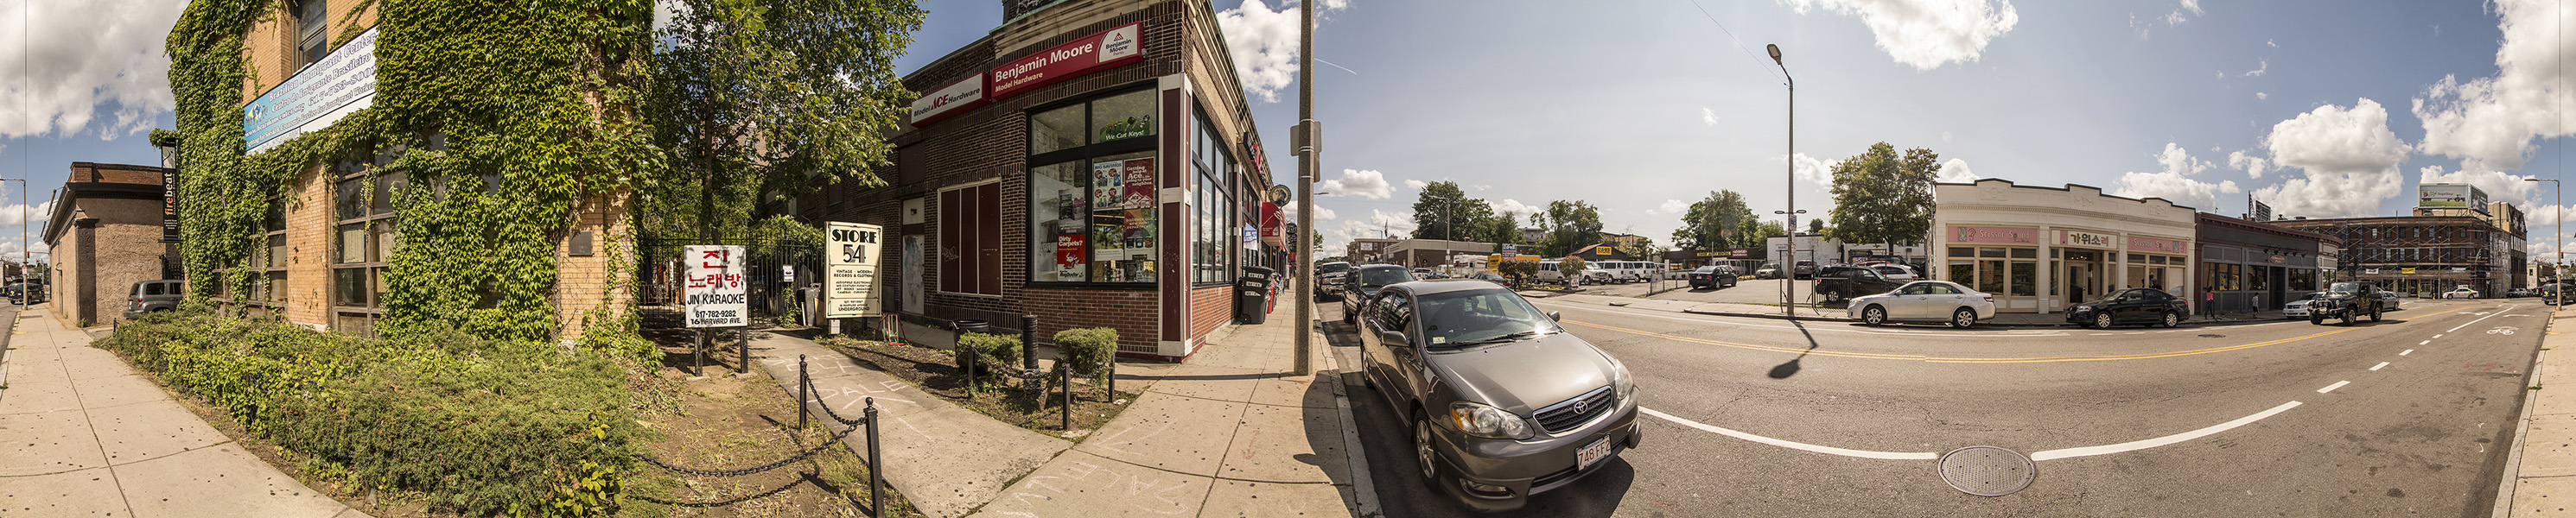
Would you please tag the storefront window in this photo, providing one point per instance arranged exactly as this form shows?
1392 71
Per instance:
2303 279
1214 201
1990 279
1963 272
2260 278
2025 276
1094 191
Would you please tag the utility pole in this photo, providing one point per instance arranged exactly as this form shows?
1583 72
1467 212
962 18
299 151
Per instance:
1306 134
1788 267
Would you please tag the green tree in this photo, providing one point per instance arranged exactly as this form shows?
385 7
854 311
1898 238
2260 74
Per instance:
1572 267
1570 226
1815 226
1880 197
1719 221
1502 229
760 101
1642 249
1443 211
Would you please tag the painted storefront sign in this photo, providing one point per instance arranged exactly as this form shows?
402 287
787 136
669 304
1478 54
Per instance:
342 83
1071 59
1998 235
850 265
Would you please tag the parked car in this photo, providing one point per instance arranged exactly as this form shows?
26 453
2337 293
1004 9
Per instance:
1767 272
1501 402
1362 283
2349 301
2131 306
2387 300
1924 301
1895 272
22 293
2298 309
151 296
1841 282
1805 270
1328 277
2516 293
1496 279
1713 277
2462 292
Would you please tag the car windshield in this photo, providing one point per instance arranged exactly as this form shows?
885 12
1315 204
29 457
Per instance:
1479 317
1333 268
1384 276
2107 297
1705 269
2353 287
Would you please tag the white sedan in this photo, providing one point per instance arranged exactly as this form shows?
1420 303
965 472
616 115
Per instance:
1924 301
2298 309
2462 293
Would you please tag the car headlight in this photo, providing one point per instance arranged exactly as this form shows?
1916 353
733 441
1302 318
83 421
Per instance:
1481 420
1621 382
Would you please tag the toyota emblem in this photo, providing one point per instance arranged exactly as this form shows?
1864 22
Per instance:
1578 407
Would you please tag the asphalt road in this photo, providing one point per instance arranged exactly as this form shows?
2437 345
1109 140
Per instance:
1835 419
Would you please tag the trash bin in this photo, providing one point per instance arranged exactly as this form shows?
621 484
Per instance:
1252 295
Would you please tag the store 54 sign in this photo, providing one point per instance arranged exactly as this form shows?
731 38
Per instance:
850 269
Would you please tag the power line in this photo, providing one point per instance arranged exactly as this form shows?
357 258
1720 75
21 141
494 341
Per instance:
1730 36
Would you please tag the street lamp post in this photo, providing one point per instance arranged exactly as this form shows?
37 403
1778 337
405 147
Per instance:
1788 263
1788 304
2558 219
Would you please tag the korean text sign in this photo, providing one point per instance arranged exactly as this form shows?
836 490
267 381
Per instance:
716 290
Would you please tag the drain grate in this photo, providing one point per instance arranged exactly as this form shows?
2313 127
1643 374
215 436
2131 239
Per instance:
2212 336
1987 470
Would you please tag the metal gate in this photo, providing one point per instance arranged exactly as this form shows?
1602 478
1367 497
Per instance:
778 272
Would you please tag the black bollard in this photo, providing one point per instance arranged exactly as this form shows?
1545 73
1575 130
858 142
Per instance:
876 464
804 391
1065 375
1029 347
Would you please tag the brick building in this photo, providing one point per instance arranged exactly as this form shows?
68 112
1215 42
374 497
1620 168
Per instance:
105 235
1089 162
320 253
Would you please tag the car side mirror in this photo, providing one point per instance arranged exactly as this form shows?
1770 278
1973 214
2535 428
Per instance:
1556 316
1393 338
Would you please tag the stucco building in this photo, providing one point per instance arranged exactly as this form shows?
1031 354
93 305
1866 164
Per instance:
105 234
2042 249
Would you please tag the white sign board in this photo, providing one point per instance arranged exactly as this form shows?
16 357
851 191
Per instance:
716 292
342 83
850 266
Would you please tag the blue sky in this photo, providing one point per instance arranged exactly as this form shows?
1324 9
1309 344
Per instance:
1640 106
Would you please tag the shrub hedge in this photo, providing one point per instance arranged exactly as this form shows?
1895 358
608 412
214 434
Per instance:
1088 350
480 426
996 351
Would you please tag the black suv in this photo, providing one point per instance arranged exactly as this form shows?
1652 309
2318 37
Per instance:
1713 277
1844 281
2131 306
2348 301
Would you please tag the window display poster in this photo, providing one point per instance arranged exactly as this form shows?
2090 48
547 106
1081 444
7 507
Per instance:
1105 177
1068 257
1137 234
1138 184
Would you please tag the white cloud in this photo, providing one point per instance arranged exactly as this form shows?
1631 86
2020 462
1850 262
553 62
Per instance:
2490 122
1379 223
1926 34
1264 44
1365 184
2261 68
2261 96
1670 207
1483 187
2193 6
1515 207
1321 213
2174 183
10 216
1956 170
2254 166
99 61
1813 171
1416 184
2274 45
2349 156
1708 116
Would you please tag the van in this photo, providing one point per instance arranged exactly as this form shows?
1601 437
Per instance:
151 296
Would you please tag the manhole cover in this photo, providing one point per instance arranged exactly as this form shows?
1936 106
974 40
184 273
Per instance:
2212 336
1987 470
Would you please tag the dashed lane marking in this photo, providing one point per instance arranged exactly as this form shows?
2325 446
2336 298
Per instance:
2330 388
2161 441
2407 352
2381 364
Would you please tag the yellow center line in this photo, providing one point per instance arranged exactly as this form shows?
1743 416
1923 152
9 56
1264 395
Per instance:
1938 359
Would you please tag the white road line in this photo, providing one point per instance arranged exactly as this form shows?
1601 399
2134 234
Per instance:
2439 336
2407 352
2330 388
1829 450
1739 321
2381 364
2161 441
2426 342
2499 311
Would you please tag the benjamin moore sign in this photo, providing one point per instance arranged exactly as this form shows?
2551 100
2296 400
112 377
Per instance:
1071 59
342 83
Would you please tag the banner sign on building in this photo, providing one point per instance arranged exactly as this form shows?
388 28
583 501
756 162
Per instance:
169 203
716 294
2160 246
2002 235
850 266
2086 239
2455 195
342 83
1072 59
956 98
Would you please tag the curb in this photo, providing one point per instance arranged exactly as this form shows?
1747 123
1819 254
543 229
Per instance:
1363 490
2512 475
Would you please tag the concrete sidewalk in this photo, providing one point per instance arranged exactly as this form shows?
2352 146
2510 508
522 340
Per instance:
91 437
2540 473
1231 432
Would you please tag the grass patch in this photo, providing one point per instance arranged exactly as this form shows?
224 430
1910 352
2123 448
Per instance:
1009 400
732 422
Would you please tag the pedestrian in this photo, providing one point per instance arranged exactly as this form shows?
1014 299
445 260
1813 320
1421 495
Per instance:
2208 302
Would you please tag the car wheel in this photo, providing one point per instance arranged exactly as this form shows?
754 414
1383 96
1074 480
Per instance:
2351 316
1349 316
1424 456
1873 315
2102 320
1963 318
2171 320
2316 320
2374 315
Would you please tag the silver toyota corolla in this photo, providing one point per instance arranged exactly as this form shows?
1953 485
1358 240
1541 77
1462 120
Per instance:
1501 402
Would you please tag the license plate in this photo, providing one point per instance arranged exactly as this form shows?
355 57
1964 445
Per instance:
1592 453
